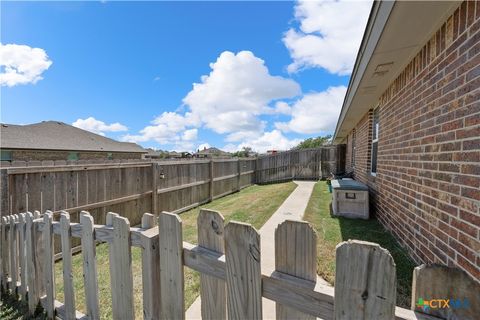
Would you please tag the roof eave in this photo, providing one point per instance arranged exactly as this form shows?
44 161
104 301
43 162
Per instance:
376 22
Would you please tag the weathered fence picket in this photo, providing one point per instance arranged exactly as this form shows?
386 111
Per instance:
49 269
5 251
365 282
22 257
68 292
295 255
172 304
229 261
150 269
121 270
30 256
89 265
212 290
244 282
13 253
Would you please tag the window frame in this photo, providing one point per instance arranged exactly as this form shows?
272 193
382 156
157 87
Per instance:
3 152
375 134
354 138
72 154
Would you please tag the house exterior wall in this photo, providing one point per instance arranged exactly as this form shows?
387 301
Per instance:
426 190
41 155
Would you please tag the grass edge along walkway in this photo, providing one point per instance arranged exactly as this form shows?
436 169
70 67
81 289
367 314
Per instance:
254 205
333 230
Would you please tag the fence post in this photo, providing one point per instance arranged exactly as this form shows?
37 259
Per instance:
150 271
244 282
89 265
172 302
65 234
441 282
211 180
212 290
239 169
295 255
49 279
365 282
121 269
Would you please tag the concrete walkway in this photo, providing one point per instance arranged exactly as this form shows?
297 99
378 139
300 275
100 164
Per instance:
293 208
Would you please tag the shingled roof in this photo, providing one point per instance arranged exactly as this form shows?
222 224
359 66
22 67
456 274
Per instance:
54 135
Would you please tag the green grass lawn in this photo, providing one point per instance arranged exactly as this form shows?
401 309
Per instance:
252 205
333 230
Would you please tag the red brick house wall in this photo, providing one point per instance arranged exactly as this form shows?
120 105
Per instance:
426 190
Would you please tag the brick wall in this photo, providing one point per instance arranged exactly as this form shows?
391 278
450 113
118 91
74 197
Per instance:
42 155
426 190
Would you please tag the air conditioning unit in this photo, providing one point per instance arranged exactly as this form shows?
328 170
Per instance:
350 199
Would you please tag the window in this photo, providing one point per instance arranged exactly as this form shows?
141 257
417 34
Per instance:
353 148
375 142
72 156
109 156
5 155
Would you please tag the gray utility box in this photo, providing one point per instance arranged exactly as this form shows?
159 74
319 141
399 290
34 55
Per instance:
350 199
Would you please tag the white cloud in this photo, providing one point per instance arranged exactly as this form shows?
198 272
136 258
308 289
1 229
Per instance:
315 112
97 126
236 91
168 128
282 107
22 64
190 135
228 101
329 35
272 140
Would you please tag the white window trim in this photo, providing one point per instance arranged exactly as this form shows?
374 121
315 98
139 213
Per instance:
377 131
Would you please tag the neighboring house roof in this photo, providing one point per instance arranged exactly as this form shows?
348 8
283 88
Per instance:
154 153
54 135
395 32
212 150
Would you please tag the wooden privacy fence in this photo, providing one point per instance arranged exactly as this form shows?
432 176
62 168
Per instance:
310 164
142 186
228 258
132 188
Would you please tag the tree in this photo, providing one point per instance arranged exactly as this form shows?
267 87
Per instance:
314 142
244 153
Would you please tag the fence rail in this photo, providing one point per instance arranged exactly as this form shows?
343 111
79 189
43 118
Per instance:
228 258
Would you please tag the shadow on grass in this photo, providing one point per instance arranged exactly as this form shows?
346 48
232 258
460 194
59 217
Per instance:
11 308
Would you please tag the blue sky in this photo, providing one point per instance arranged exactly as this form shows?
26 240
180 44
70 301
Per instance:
267 74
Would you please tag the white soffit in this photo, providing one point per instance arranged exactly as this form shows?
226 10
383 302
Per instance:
407 26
